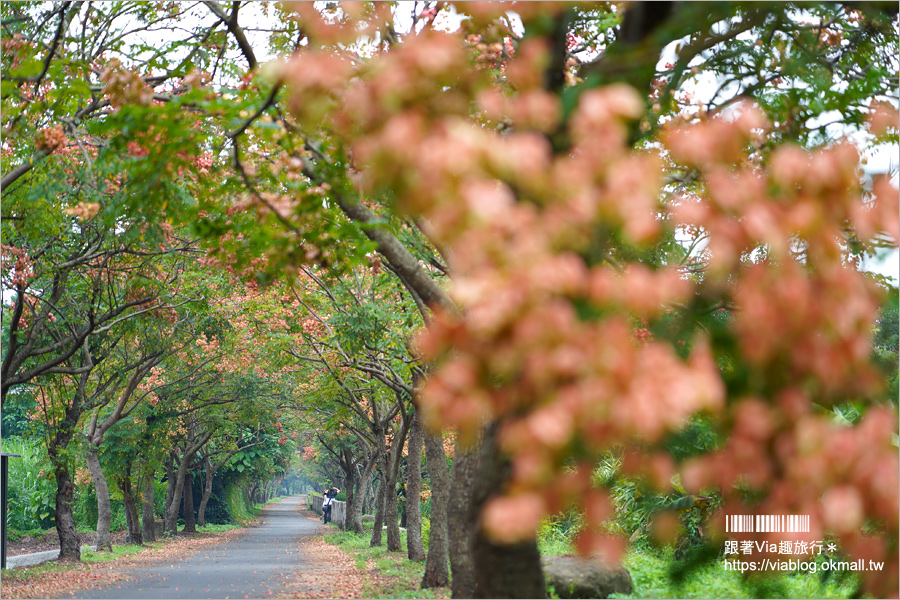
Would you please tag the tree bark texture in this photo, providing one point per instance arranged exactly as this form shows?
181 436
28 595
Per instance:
129 499
513 571
69 548
461 522
190 522
379 513
172 511
170 481
392 515
147 517
207 491
436 572
415 550
355 508
102 538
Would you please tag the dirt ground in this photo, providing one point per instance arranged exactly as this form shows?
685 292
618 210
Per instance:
50 541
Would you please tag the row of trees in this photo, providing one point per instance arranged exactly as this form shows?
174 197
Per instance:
593 248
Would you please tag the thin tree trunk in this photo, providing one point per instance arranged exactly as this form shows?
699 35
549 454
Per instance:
379 513
414 548
436 572
147 516
134 523
370 497
172 512
350 486
190 523
207 491
102 538
170 481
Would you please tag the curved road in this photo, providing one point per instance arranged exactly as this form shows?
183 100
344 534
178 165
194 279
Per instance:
255 565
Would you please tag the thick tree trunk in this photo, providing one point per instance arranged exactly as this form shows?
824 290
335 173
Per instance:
508 571
379 513
355 509
392 515
102 538
415 550
207 492
69 548
461 524
513 571
147 494
134 523
436 572
190 523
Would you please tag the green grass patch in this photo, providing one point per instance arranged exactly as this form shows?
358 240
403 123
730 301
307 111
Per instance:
218 527
651 571
118 551
14 535
399 576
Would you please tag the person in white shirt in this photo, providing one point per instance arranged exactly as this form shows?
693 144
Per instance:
326 503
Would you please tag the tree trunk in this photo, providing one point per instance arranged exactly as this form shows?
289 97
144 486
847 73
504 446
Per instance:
172 511
147 494
436 571
171 523
370 497
392 514
355 509
69 548
379 513
414 548
102 538
190 523
513 571
461 524
350 486
508 571
134 524
170 481
207 491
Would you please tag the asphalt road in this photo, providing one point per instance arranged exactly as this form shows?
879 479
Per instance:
247 567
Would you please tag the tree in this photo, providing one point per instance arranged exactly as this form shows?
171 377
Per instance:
569 219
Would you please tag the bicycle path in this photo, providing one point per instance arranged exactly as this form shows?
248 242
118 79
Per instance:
255 565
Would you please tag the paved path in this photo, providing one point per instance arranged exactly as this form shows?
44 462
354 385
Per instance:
254 565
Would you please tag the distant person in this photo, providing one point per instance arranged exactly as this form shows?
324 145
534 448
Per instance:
326 503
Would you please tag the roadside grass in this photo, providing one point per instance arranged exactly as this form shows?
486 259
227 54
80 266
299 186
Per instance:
651 572
392 575
395 576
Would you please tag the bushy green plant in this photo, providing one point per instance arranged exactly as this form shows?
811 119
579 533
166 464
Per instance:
237 501
32 488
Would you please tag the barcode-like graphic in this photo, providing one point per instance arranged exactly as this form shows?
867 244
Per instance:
766 523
